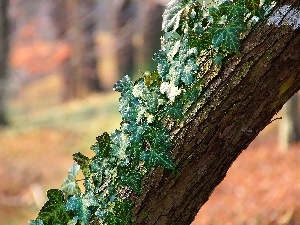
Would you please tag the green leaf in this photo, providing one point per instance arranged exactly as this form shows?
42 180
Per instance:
84 163
121 214
54 212
171 15
35 222
218 37
189 71
253 6
130 108
163 65
124 85
153 158
133 180
70 186
102 146
80 206
120 142
231 9
228 35
175 110
135 131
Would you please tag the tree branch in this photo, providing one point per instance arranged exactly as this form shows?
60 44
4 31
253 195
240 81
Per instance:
239 101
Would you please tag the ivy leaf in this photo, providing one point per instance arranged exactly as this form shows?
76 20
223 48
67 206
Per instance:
175 110
54 212
171 15
135 131
124 85
133 180
130 108
121 215
70 186
80 206
35 222
229 35
231 10
84 163
153 158
102 146
189 71
120 142
253 6
218 37
163 65
193 92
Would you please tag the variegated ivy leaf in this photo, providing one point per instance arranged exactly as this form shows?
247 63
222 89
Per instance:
120 143
124 85
35 222
172 14
163 64
102 146
80 206
70 186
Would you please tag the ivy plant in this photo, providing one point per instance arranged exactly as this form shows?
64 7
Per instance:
196 36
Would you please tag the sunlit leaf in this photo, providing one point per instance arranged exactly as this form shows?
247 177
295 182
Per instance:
84 163
171 16
70 186
35 222
80 206
102 146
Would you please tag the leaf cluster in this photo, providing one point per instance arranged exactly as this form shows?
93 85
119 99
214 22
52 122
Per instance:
196 36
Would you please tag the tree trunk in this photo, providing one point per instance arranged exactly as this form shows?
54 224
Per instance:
289 133
4 50
239 100
76 23
150 19
124 29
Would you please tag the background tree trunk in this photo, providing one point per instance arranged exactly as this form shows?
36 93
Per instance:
150 20
239 100
289 132
4 51
124 12
76 23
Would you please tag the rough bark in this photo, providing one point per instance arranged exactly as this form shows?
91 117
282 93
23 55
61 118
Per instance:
4 49
289 133
237 103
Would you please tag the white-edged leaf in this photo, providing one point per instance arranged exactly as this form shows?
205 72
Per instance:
80 205
171 16
70 186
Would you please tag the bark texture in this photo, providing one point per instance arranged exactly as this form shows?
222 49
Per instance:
238 102
4 49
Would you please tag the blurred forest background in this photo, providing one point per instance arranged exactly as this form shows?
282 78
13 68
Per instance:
59 61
